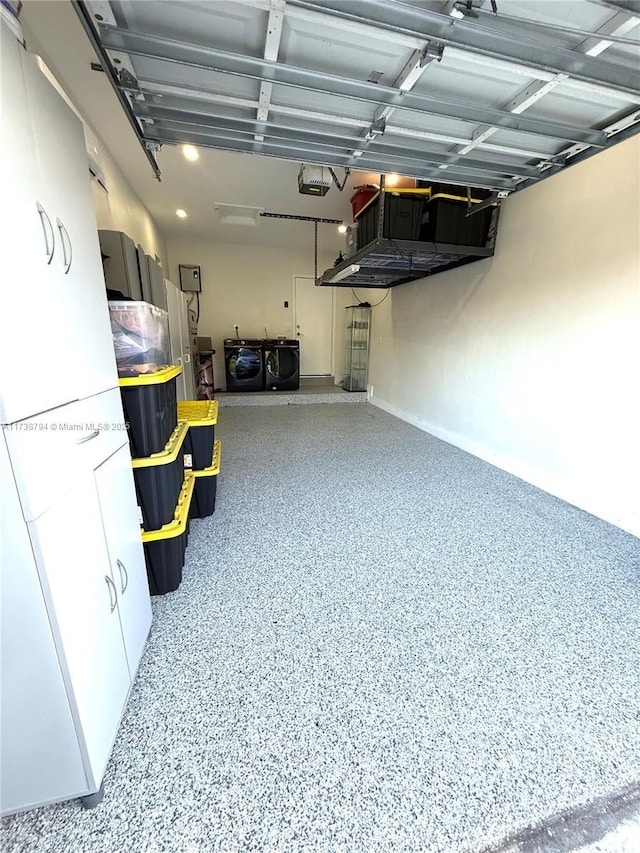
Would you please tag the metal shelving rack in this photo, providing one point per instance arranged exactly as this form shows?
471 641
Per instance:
356 356
386 262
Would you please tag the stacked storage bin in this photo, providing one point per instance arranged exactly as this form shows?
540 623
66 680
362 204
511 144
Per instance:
164 549
402 216
445 220
202 453
164 489
149 402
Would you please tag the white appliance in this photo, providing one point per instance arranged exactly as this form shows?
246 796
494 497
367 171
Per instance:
75 600
181 340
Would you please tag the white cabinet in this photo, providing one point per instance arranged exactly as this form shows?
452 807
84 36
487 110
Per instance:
71 552
156 284
40 752
50 262
75 600
181 340
81 584
118 505
26 250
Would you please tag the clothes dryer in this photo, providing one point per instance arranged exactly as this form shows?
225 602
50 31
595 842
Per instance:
244 365
281 364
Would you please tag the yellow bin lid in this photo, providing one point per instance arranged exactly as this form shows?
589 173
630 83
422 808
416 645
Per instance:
179 524
214 468
170 452
158 377
457 198
198 412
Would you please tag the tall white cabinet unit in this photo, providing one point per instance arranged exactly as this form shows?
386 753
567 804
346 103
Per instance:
181 340
75 601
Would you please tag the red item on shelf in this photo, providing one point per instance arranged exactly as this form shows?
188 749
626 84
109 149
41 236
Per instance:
361 196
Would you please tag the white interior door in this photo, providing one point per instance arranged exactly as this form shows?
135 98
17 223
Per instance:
313 322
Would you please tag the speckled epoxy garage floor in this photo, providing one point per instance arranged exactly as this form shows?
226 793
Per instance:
380 644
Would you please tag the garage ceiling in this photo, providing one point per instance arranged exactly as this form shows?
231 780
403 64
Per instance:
495 95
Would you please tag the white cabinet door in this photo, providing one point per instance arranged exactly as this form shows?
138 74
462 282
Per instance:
29 298
187 354
51 451
174 297
39 753
79 339
116 492
82 600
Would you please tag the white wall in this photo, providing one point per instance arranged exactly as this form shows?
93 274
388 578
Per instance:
531 359
244 285
120 209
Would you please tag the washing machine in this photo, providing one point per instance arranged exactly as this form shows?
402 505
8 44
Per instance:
244 365
281 364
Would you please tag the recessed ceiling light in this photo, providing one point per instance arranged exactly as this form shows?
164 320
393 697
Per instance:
181 214
190 152
342 229
392 179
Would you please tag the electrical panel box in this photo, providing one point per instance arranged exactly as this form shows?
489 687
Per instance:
190 280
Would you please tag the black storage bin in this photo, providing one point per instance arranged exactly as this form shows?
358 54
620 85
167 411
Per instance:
202 417
444 221
164 549
150 409
402 219
164 560
366 227
159 479
204 497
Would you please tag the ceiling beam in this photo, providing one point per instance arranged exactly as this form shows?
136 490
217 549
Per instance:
630 6
176 111
86 19
370 162
405 81
490 36
360 28
619 24
153 86
167 50
271 50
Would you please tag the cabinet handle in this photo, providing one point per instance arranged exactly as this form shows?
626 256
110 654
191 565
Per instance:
179 360
67 249
187 358
123 570
47 230
91 435
112 598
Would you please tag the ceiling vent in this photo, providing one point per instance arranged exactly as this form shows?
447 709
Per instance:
237 214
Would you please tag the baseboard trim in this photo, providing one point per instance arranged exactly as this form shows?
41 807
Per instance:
626 520
325 379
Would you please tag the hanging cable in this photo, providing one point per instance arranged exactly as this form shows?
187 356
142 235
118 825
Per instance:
315 252
340 186
357 298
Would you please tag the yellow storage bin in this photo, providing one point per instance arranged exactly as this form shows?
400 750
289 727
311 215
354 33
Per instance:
202 417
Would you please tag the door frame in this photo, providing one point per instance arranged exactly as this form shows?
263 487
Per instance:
332 338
